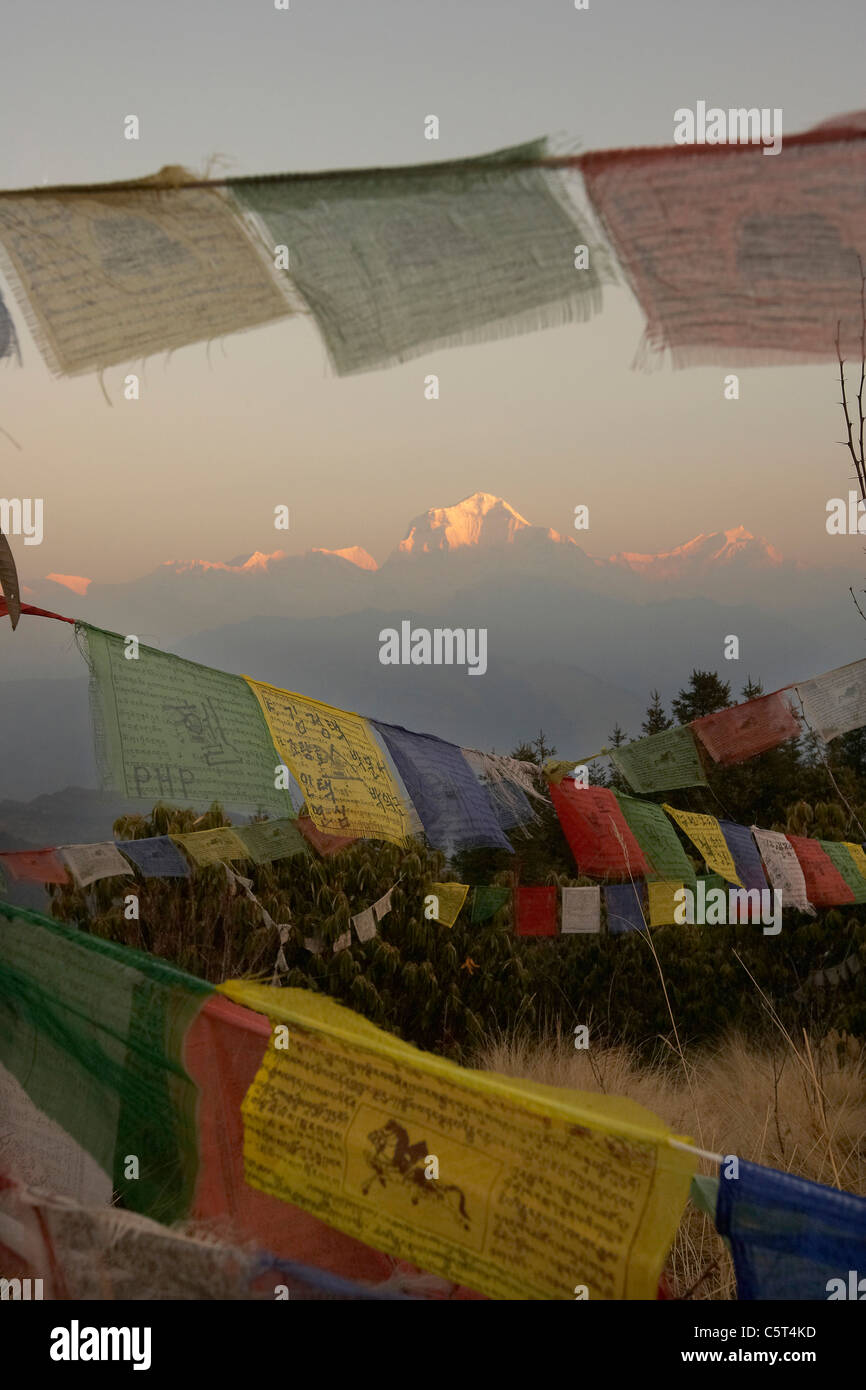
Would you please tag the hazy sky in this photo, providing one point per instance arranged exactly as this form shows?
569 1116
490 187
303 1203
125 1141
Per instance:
548 421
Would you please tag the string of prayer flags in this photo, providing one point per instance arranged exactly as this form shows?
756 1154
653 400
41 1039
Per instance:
535 911
596 830
87 863
624 907
208 847
166 728
337 763
663 902
486 902
840 857
743 731
581 910
449 900
35 865
394 263
94 1032
662 762
268 840
706 834
608 1208
747 860
791 1239
156 856
455 809
835 702
783 868
325 844
657 838
718 243
825 886
365 924
122 273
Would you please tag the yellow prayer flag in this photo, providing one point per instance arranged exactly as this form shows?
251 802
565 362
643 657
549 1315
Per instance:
450 898
856 853
706 834
519 1190
662 904
206 847
337 763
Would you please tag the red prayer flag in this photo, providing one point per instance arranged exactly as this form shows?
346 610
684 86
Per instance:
320 840
536 912
825 886
591 820
741 732
736 256
35 866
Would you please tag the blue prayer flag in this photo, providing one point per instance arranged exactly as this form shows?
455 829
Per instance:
624 903
155 857
744 852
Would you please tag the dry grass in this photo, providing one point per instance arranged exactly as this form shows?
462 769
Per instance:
800 1107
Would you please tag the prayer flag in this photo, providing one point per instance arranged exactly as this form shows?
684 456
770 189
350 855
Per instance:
360 1164
116 275
535 911
663 903
455 810
337 763
840 857
743 731
325 844
365 925
596 830
790 1238
87 863
744 852
35 865
207 847
662 762
382 907
736 257
168 729
657 838
581 910
825 886
156 856
835 702
268 840
93 1031
706 833
395 263
486 901
450 899
783 868
624 906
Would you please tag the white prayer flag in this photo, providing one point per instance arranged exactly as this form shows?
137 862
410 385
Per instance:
581 909
835 703
87 863
383 906
365 925
783 868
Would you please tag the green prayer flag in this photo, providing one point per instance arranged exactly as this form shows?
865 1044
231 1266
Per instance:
657 838
268 840
167 729
393 263
488 900
841 859
661 762
94 1033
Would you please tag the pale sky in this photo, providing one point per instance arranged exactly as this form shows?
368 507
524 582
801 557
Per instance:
195 468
